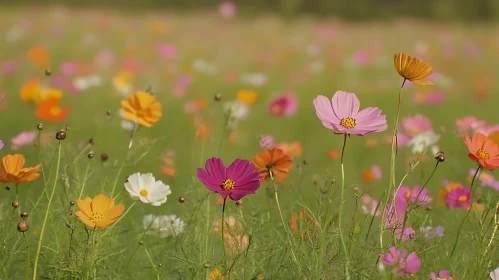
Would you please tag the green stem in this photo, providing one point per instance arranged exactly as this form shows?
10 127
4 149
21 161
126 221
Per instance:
29 258
122 216
17 199
138 245
467 213
347 259
152 263
493 233
135 128
84 181
223 227
40 240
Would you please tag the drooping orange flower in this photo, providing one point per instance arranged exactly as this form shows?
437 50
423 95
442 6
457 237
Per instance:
483 150
13 172
412 69
142 108
39 56
49 110
99 212
272 163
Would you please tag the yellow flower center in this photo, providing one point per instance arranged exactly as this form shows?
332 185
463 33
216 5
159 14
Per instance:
228 184
462 198
96 217
483 154
348 122
55 111
144 192
408 195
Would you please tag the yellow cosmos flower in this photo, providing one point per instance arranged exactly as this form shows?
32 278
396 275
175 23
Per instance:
123 82
99 212
142 108
412 69
34 92
247 96
216 274
13 172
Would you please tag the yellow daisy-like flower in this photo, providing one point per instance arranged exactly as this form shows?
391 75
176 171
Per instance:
247 96
142 108
412 69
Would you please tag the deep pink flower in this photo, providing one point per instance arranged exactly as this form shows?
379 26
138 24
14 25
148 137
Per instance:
285 105
459 198
442 275
409 233
416 195
22 139
402 264
235 181
343 116
395 215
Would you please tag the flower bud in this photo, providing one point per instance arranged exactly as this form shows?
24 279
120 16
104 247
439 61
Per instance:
24 215
218 97
239 202
104 156
15 204
48 72
39 126
60 135
22 226
440 157
181 199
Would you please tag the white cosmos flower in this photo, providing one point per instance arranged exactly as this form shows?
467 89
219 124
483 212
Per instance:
254 79
423 141
163 226
147 189
236 110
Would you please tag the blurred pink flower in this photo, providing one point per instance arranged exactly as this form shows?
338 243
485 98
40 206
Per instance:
69 68
469 124
285 105
22 139
9 67
429 98
104 59
267 142
167 51
403 264
442 275
416 195
369 206
486 179
413 126
488 129
362 58
430 232
395 214
228 10
459 198
409 233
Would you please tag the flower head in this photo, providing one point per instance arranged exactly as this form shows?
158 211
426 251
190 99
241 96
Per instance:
459 198
142 108
402 264
285 105
423 141
412 69
416 195
123 82
273 164
369 206
22 139
216 274
235 181
49 110
483 150
266 142
99 212
292 149
343 116
442 275
494 274
408 234
13 172
430 232
373 173
163 226
147 189
395 213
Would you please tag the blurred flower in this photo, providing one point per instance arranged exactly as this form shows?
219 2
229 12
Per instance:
162 226
469 124
22 139
494 137
395 214
401 263
168 171
49 110
39 57
421 142
235 181
216 274
409 233
254 79
369 206
429 98
416 195
247 96
449 186
442 275
334 155
142 108
267 142
123 82
459 198
483 150
99 212
203 128
494 275
147 189
306 224
13 172
104 59
430 232
34 92
194 106
233 234
292 149
9 67
86 82
273 164
69 68
285 105
204 67
227 9
412 69
486 179
343 115
167 51
372 173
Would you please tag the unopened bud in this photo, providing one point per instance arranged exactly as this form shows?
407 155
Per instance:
22 226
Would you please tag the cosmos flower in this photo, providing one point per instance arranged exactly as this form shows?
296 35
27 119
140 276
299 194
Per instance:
409 233
99 212
247 96
292 149
459 198
395 214
236 110
142 108
486 179
123 82
412 69
494 275
13 172
373 173
469 124
343 116
416 195
442 275
449 186
402 264
266 142
216 274
39 57
49 110
483 150
235 181
423 141
22 139
369 206
415 125
163 226
147 189
272 163
227 9
285 105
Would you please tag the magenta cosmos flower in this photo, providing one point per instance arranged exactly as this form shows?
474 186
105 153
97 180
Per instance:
402 264
442 275
285 105
235 181
416 195
343 116
459 198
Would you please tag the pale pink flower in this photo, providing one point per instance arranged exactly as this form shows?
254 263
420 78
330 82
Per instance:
369 206
469 124
403 264
361 58
416 195
228 10
409 233
167 51
267 142
22 139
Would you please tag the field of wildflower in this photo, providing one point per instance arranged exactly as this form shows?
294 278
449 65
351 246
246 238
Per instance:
209 146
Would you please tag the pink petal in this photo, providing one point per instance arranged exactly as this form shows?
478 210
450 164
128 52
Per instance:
325 112
345 104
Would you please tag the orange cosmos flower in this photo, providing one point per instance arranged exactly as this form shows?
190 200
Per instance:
49 110
142 108
39 56
483 150
272 164
412 69
13 172
99 212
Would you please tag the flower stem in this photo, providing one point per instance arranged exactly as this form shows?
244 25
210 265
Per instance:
47 211
27 262
135 128
347 259
138 245
223 227
424 186
17 199
152 263
479 168
393 156
122 216
493 233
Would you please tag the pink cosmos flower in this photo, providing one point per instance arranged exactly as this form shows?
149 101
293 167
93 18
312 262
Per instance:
227 10
409 233
105 59
442 275
343 116
1 144
494 274
22 139
361 58
235 181
395 215
167 51
459 198
416 125
486 179
488 129
267 142
369 206
469 124
285 105
69 68
402 264
9 67
416 195
429 98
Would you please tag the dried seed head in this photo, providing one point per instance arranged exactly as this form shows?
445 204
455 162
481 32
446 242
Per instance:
440 156
306 162
104 156
48 72
39 126
218 97
206 265
68 128
181 199
60 135
323 190
90 155
24 215
22 226
141 242
70 212
71 203
15 204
